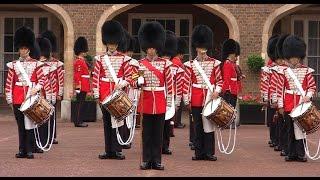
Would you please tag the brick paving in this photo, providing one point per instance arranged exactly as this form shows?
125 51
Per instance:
78 149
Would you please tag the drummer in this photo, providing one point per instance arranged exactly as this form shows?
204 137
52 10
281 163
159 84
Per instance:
201 43
104 84
294 50
17 87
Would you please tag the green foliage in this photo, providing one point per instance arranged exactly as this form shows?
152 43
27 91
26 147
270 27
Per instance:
255 63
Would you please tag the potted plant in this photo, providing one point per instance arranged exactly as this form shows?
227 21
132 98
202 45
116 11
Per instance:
251 110
88 111
255 63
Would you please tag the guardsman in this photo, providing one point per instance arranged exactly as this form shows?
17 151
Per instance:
81 78
17 86
58 76
104 84
202 38
294 50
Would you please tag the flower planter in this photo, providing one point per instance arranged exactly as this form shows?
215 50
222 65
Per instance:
88 111
251 114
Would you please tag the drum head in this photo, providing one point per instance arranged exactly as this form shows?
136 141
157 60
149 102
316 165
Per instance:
297 111
211 107
110 97
28 103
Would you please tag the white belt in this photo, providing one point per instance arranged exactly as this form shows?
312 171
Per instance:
104 79
154 88
21 84
200 86
233 79
292 92
85 76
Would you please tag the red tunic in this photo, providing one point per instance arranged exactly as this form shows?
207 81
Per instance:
230 81
178 78
57 76
48 90
102 81
195 87
288 96
16 87
265 81
81 74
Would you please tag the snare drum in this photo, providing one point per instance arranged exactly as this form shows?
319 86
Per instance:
118 104
219 112
37 109
307 117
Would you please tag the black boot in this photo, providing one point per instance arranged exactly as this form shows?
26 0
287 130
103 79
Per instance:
145 165
105 156
21 154
30 155
157 166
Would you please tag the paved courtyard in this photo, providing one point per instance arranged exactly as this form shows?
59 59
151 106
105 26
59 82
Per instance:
78 149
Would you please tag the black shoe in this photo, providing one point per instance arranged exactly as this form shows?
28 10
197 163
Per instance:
126 146
211 158
269 142
157 166
81 125
30 155
145 165
55 141
38 150
192 147
180 126
118 156
190 144
105 156
277 148
301 159
290 158
172 135
21 155
283 153
197 158
272 145
166 151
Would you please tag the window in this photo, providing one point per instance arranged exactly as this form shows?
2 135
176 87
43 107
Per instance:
308 28
10 22
180 24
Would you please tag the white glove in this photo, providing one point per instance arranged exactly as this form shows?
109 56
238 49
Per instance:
122 83
77 91
140 80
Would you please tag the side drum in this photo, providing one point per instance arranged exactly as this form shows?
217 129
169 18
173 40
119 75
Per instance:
219 112
118 104
37 109
307 117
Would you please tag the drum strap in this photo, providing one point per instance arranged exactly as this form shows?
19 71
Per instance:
151 68
110 68
23 73
296 81
203 74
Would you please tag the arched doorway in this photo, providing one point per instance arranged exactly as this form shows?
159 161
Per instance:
222 22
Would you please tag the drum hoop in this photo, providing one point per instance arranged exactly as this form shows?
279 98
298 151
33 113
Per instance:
115 97
36 101
215 111
304 113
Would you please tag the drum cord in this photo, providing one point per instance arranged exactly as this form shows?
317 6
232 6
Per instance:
316 156
221 147
37 137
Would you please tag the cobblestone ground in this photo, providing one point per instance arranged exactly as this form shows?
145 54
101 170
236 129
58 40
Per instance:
78 149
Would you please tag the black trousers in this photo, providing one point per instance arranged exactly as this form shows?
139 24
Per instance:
191 128
295 147
25 136
166 135
283 134
231 99
124 131
110 137
152 131
272 125
203 142
178 115
80 99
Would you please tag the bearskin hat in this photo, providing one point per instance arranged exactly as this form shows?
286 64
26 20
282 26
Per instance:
271 49
182 46
112 32
52 38
151 35
35 51
202 37
279 52
293 46
238 49
124 43
132 44
45 46
24 36
170 45
229 46
81 45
